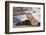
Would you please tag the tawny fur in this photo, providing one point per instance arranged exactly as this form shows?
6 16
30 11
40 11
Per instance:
32 19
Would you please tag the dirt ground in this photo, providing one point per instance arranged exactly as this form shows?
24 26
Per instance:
22 26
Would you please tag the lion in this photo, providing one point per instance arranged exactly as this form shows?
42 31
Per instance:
32 19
